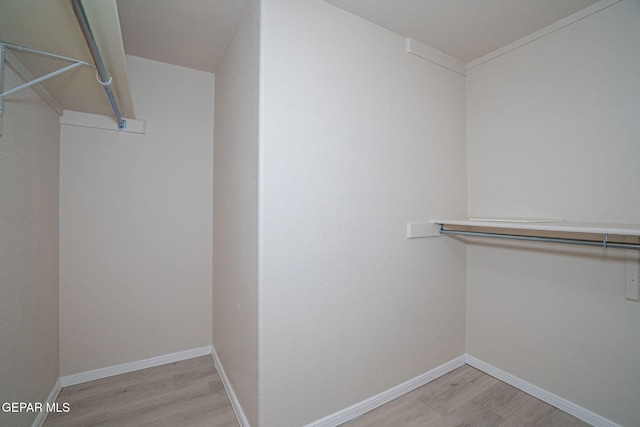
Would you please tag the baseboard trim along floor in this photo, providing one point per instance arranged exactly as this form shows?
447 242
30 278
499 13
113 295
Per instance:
540 393
42 415
235 403
367 405
97 374
386 396
350 412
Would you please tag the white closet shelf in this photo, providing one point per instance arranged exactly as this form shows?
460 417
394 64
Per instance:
507 228
555 225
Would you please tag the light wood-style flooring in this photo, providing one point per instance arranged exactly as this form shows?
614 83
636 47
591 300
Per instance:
190 394
466 397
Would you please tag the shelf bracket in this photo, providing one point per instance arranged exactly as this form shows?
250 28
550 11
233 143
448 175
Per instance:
75 63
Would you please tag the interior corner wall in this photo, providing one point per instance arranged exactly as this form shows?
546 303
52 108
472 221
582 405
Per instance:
135 226
29 179
553 131
358 138
235 217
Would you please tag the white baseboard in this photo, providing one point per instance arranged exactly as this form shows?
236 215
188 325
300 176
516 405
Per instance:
235 403
52 398
97 374
544 395
346 414
386 396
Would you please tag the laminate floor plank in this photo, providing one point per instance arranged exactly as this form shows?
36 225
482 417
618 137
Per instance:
403 412
466 397
451 392
188 393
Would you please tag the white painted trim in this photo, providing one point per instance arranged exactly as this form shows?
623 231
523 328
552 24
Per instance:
52 398
433 55
373 402
25 75
97 374
542 394
346 414
422 229
578 16
97 121
235 403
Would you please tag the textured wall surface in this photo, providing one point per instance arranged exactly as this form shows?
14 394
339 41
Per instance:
29 160
235 217
358 138
135 226
553 132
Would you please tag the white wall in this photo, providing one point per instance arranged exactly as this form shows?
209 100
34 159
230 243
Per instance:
29 159
553 132
357 139
235 218
135 226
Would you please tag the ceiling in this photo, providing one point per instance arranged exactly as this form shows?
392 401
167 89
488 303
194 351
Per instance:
196 33
463 29
190 33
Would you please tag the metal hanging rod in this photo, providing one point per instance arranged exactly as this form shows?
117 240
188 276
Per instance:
104 80
3 48
605 243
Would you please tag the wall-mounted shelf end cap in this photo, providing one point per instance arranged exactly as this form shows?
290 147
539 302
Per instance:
422 229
